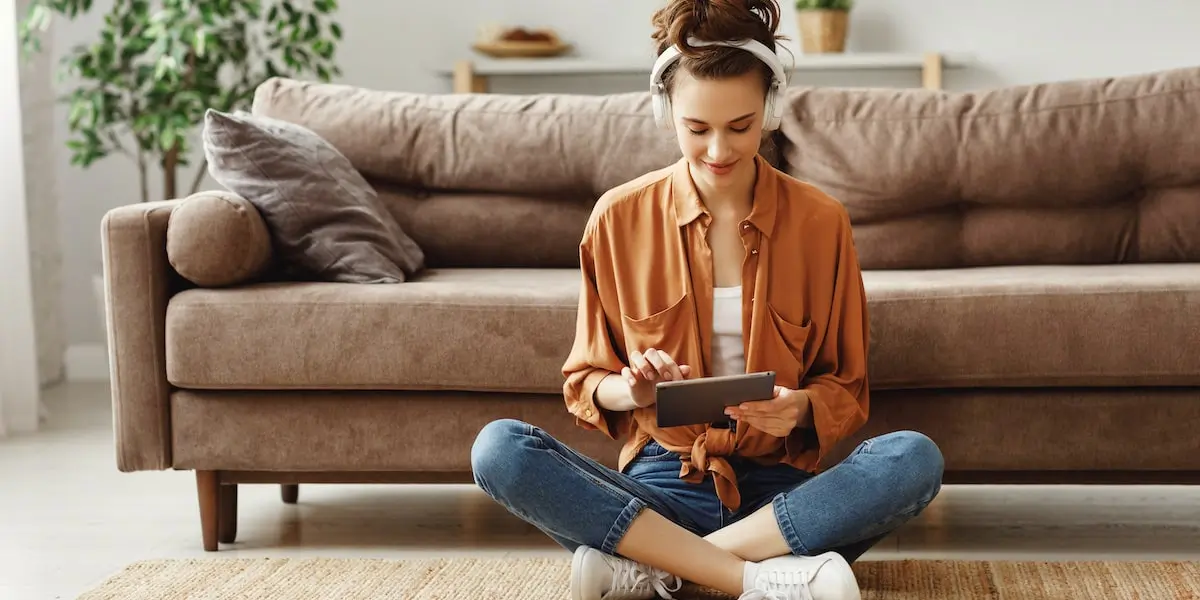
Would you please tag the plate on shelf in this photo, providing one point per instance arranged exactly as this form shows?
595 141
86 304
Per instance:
499 47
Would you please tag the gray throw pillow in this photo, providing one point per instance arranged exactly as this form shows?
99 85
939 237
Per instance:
324 218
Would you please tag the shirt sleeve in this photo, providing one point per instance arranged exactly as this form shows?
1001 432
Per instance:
836 384
592 356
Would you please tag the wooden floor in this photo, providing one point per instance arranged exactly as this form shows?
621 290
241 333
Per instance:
68 518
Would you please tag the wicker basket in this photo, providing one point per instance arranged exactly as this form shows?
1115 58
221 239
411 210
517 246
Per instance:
823 31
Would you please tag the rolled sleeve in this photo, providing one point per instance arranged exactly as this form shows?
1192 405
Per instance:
592 356
837 384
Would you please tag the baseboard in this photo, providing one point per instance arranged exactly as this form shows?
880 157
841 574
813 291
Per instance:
87 362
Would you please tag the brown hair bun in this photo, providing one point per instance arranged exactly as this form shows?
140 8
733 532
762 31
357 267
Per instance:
716 21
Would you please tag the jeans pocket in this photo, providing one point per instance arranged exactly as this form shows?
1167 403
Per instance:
653 451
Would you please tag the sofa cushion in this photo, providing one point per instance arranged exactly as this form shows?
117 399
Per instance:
1107 325
217 238
324 218
510 330
1089 171
490 230
469 329
552 144
563 146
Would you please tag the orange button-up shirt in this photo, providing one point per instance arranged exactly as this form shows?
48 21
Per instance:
648 283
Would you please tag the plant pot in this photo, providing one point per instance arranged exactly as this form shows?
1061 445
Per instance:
823 31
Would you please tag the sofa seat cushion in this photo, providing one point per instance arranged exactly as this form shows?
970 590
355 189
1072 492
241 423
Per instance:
461 329
510 330
1102 325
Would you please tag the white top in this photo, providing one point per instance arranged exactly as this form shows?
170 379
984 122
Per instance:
729 356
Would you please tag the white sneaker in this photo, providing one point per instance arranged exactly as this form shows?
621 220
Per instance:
599 576
824 577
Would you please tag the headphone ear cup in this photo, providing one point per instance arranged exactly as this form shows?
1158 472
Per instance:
662 111
772 115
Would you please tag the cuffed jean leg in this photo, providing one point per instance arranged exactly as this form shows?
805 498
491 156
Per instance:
885 482
572 498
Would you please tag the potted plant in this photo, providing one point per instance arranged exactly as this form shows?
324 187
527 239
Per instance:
823 25
142 86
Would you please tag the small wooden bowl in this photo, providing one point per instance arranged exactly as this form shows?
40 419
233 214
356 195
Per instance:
522 49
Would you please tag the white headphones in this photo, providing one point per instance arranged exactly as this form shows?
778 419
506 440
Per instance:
772 112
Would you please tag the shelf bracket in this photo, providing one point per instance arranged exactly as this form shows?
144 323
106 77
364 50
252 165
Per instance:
931 74
466 81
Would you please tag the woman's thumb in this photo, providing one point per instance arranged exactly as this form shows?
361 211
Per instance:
685 369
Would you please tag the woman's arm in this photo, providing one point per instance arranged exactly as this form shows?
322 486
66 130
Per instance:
592 394
614 394
836 385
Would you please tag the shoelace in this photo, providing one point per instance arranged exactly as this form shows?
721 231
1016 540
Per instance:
785 585
630 576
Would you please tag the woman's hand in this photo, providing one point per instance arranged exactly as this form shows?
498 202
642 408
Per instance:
648 368
777 416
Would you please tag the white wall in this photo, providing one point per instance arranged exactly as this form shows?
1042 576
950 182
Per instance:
41 190
397 44
18 367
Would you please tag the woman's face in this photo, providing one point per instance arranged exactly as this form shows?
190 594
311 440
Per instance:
719 126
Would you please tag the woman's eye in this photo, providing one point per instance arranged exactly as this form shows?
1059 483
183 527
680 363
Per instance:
694 132
742 129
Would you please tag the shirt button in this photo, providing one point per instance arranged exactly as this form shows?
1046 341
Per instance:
754 251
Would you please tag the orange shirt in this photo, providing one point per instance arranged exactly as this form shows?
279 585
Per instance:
648 283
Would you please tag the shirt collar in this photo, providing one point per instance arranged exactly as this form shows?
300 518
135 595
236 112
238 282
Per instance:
688 206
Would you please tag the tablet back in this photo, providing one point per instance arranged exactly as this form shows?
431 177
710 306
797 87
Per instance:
703 400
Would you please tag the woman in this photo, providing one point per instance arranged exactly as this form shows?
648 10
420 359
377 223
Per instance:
717 264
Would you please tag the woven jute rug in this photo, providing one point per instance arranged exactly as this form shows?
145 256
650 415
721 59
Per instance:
546 579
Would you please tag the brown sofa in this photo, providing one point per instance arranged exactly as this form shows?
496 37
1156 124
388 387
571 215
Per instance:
1030 254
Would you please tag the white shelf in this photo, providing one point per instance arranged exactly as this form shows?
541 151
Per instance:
572 65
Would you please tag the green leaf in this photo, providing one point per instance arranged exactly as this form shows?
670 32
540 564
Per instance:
150 70
201 42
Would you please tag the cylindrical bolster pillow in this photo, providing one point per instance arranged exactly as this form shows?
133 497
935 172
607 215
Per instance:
217 239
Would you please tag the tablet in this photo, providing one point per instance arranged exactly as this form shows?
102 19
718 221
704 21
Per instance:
703 400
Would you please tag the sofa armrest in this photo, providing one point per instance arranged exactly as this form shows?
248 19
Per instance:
138 281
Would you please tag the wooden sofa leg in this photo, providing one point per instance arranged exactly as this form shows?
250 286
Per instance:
227 515
208 489
290 492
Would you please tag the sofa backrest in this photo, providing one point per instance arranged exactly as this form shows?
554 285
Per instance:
1073 172
482 180
1081 172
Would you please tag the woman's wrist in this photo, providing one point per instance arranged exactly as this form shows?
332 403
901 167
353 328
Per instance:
614 394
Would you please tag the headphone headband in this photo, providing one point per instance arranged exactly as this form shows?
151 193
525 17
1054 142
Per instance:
755 47
672 54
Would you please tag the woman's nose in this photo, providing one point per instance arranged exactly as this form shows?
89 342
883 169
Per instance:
717 149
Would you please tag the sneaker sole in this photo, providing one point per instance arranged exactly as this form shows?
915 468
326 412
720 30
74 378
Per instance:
576 569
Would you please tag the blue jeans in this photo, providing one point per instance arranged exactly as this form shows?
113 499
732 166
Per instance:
886 481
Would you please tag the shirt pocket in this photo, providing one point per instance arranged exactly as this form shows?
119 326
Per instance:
667 330
794 343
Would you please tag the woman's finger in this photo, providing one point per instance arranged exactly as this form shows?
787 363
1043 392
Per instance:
671 370
648 369
655 358
629 375
759 407
637 361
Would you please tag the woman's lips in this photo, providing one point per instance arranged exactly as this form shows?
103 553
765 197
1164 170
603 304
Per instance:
720 169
